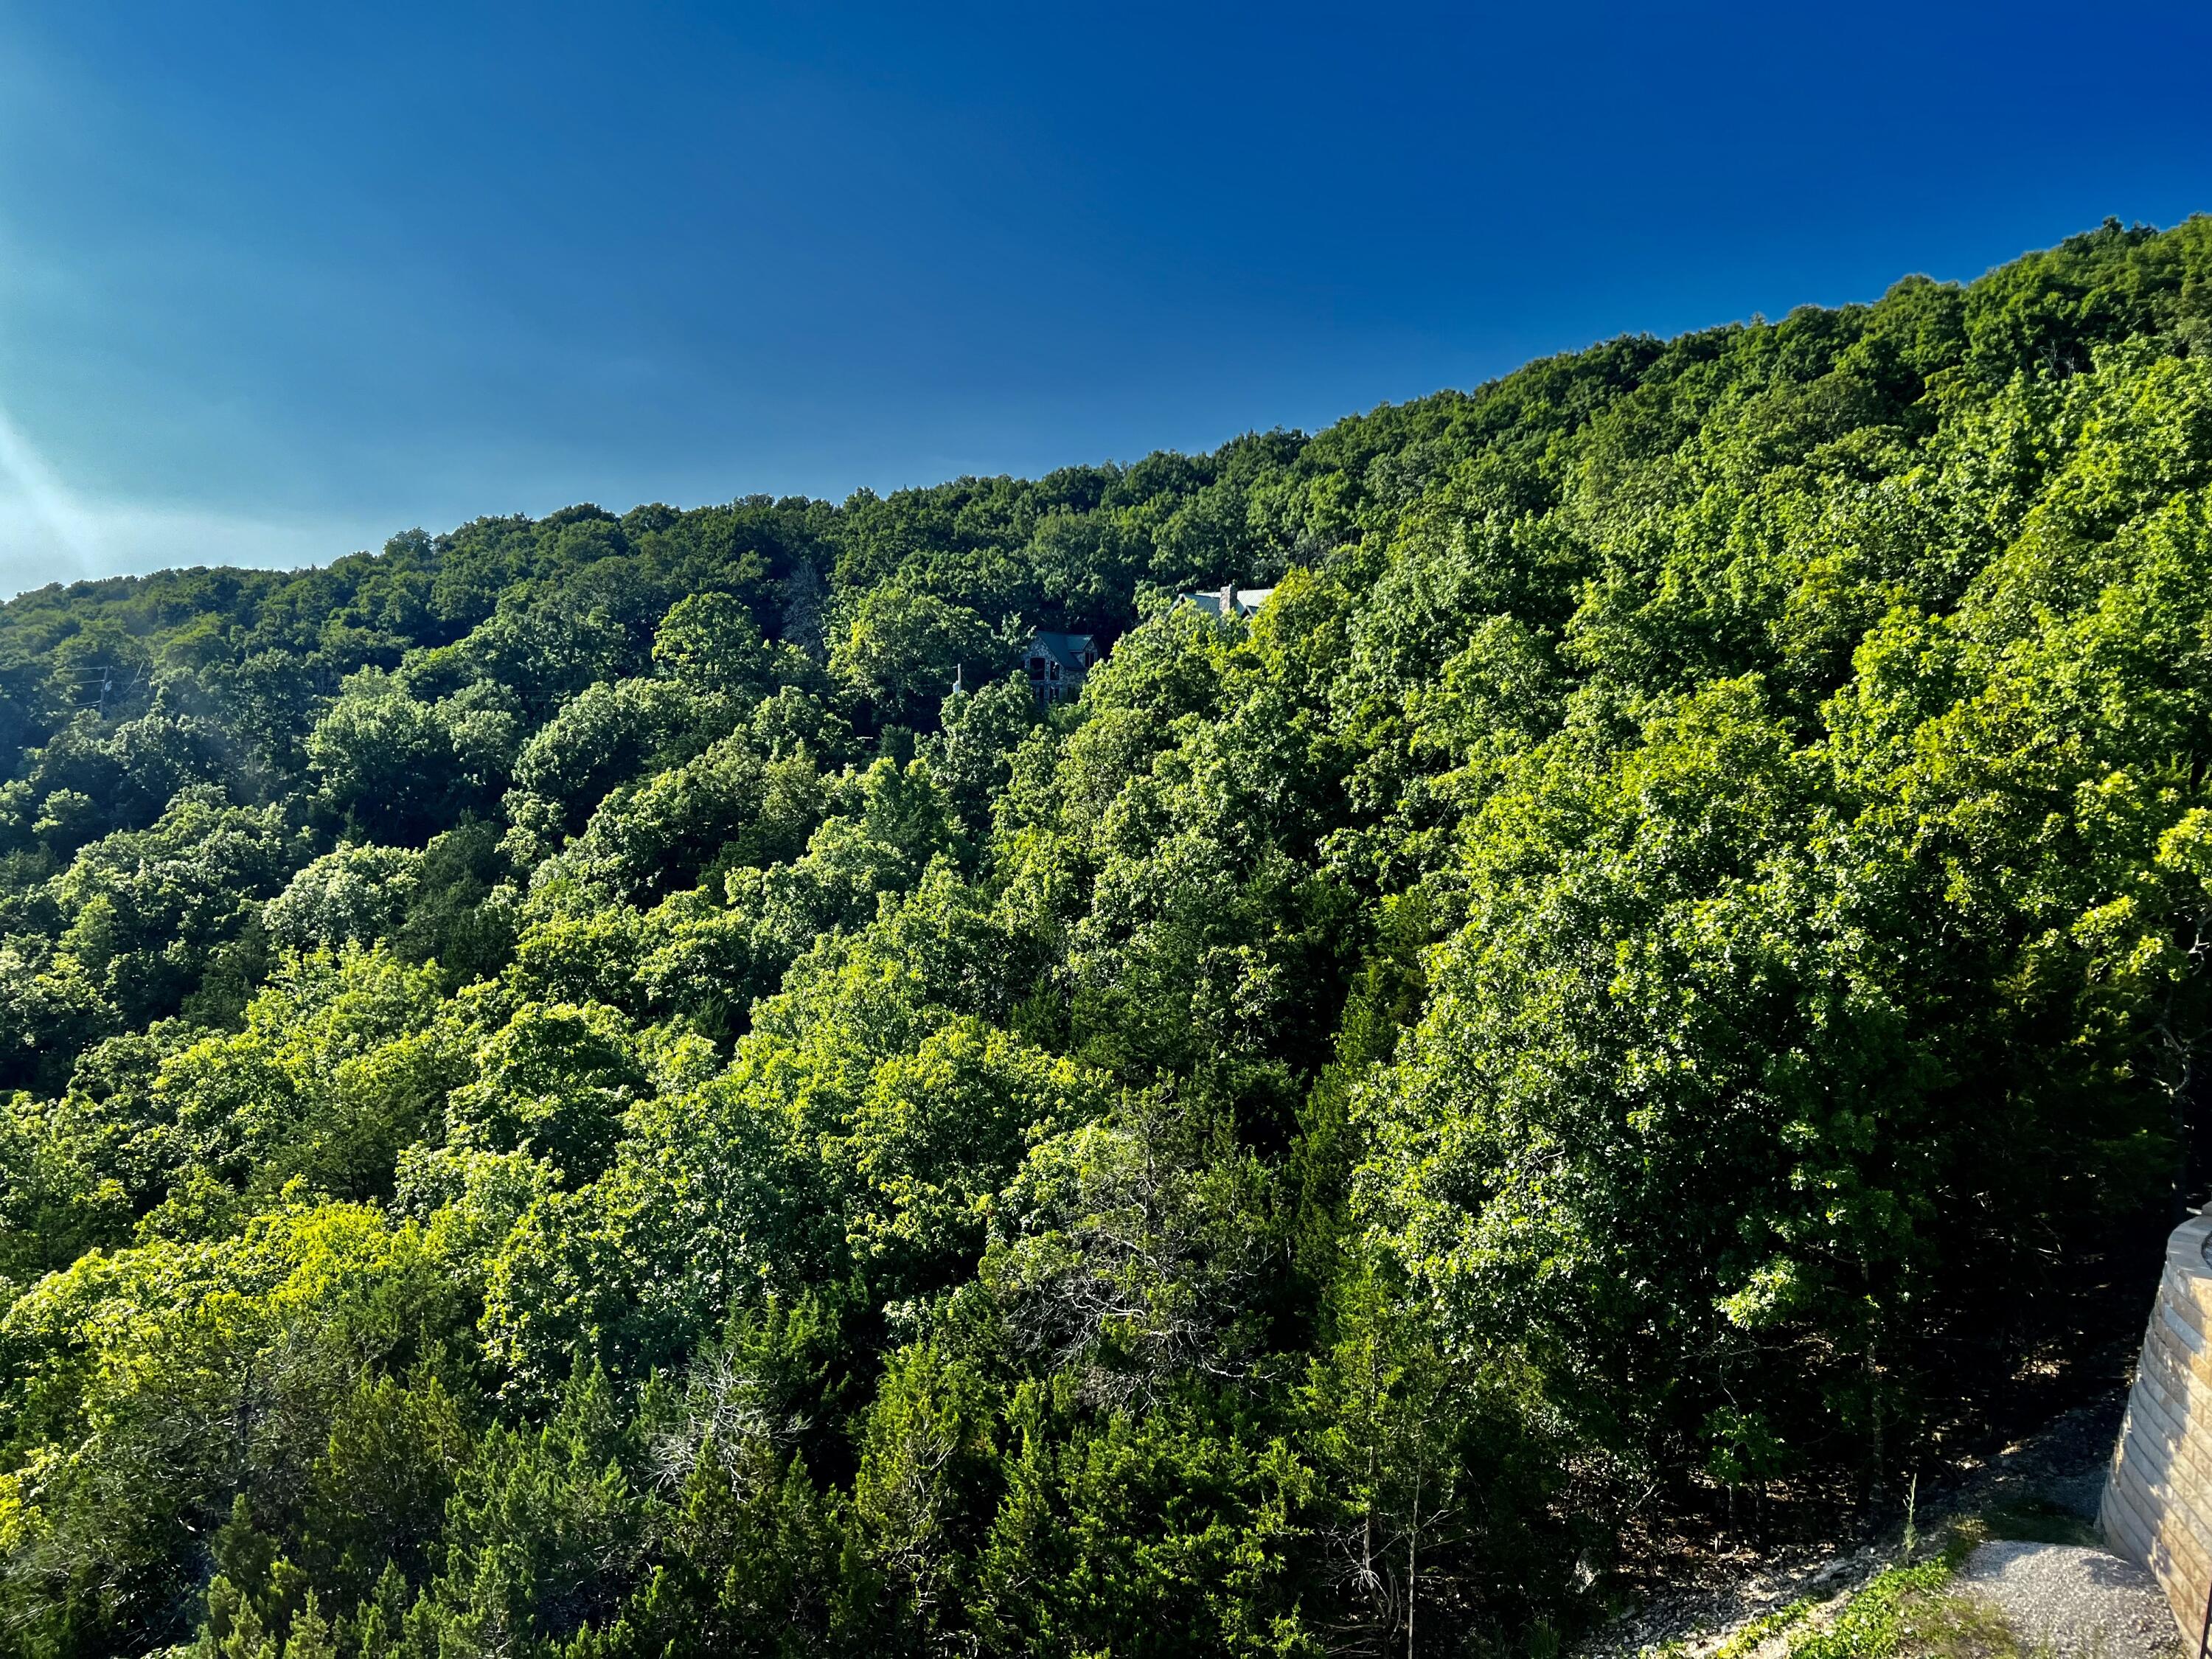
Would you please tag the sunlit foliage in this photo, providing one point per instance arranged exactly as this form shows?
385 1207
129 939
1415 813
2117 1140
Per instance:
569 1094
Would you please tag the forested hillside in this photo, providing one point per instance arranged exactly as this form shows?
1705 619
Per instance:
568 1099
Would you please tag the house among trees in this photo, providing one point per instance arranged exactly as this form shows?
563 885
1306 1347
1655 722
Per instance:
1230 601
1057 664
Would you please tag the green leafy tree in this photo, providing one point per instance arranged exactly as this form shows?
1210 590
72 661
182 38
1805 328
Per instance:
904 648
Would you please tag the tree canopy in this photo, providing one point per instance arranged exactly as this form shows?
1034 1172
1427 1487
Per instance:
567 1094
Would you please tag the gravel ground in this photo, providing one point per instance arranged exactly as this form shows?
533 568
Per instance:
2077 1603
2061 1463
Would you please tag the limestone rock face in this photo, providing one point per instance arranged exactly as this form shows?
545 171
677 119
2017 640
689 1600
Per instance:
2157 1509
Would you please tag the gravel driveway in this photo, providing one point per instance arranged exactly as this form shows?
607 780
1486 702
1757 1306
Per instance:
2077 1603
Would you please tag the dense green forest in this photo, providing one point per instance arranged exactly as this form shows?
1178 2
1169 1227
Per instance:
566 1095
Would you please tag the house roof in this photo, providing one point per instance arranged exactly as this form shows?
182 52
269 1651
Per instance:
1230 601
1065 649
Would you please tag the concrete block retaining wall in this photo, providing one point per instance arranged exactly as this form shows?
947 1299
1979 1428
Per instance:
2158 1499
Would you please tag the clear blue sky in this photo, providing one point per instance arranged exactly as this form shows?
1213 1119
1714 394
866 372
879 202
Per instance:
278 280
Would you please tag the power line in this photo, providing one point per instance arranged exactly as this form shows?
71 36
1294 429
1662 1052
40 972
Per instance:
106 673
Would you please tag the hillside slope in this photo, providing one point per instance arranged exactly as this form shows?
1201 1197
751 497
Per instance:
569 1099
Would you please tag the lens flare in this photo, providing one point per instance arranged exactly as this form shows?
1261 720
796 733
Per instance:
24 474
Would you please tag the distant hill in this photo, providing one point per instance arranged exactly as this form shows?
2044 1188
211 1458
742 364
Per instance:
568 1099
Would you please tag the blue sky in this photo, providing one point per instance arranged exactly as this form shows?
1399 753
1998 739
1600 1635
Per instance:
277 281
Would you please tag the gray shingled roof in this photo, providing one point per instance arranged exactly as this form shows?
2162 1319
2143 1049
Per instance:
1065 649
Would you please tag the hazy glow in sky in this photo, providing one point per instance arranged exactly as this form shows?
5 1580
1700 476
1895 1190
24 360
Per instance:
279 281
